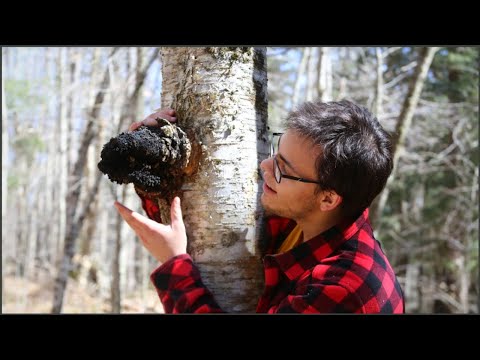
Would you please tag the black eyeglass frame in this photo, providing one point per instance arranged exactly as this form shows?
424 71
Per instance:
275 166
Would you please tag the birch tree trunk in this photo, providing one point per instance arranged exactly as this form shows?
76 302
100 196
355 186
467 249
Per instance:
403 124
220 95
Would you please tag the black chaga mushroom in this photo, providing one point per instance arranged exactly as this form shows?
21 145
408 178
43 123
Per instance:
154 159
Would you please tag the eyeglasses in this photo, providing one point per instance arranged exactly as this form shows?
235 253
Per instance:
276 169
274 143
279 175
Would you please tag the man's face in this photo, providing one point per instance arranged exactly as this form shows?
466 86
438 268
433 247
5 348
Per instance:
290 198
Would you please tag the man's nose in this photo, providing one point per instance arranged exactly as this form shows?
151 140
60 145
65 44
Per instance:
264 164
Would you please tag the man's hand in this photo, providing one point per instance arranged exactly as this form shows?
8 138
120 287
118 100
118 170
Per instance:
167 114
162 241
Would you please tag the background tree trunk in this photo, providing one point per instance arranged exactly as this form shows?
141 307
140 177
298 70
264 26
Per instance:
404 122
75 216
299 74
220 94
32 218
115 285
4 170
62 148
311 89
379 87
324 81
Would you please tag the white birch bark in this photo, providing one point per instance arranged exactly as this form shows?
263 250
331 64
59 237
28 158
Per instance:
221 95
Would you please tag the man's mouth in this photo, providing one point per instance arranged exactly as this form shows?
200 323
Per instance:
267 189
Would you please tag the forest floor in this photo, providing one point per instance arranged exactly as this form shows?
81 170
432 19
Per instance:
22 296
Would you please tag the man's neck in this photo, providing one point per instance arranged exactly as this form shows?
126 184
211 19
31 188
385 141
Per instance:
317 224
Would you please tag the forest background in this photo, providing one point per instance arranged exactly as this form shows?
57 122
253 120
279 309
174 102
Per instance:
60 105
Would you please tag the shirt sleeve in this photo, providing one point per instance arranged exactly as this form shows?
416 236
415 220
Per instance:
177 281
181 289
319 298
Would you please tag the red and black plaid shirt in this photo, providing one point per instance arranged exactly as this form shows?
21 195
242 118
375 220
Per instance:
342 270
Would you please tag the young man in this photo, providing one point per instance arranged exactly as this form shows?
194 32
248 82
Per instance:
326 169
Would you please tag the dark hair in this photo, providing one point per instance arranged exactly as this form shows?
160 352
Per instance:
356 158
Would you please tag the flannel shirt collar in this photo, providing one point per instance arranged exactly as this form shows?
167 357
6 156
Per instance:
306 255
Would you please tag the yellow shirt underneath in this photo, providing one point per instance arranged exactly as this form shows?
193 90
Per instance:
293 239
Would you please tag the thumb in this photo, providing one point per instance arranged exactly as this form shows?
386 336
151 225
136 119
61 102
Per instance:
176 213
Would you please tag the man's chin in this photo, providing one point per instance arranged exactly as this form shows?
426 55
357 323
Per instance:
267 210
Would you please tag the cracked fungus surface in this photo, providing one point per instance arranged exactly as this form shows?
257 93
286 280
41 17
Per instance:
152 158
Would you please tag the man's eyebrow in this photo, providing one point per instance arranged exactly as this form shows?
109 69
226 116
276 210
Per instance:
286 161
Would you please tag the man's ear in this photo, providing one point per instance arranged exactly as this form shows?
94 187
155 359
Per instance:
329 200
